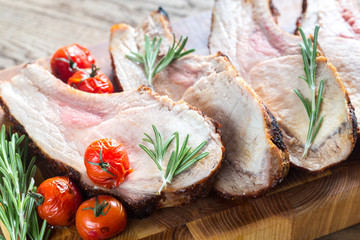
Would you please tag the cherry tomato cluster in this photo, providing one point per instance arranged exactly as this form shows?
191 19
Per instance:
75 65
59 202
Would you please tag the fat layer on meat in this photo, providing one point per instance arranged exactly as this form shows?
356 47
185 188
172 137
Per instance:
63 121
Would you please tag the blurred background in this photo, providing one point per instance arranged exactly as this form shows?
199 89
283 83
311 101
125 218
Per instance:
32 29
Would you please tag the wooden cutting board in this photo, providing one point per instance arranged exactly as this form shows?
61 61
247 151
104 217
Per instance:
303 206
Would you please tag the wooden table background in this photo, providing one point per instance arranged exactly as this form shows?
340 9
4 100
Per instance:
32 29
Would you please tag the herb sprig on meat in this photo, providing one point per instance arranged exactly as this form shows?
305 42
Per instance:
312 106
148 59
180 159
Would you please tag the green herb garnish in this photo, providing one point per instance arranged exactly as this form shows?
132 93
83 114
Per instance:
17 211
180 159
151 53
309 53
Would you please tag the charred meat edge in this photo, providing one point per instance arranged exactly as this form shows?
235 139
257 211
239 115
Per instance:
276 137
278 147
145 207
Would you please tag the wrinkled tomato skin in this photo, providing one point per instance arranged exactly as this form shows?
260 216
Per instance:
98 84
61 200
79 54
114 153
104 226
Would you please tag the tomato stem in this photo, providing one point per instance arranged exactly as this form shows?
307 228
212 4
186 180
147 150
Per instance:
99 208
39 199
103 165
72 65
94 70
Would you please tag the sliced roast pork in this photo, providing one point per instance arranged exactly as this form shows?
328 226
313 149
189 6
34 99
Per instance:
172 81
63 121
125 39
339 39
246 32
270 60
274 80
255 156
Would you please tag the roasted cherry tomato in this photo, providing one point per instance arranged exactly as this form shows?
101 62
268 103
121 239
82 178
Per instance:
107 162
100 217
93 82
69 59
57 200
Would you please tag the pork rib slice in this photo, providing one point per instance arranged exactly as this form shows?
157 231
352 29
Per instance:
246 32
274 80
173 80
255 156
339 39
125 39
246 172
63 121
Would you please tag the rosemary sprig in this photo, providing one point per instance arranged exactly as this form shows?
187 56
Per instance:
309 53
180 159
17 211
152 51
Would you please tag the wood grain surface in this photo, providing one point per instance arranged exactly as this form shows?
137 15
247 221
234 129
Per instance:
302 207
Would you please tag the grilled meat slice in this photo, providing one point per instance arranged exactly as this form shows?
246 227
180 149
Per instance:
274 80
122 43
339 39
63 121
173 80
255 156
125 39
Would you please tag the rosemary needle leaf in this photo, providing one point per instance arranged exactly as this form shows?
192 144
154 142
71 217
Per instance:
184 166
135 59
150 153
305 102
319 99
317 128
